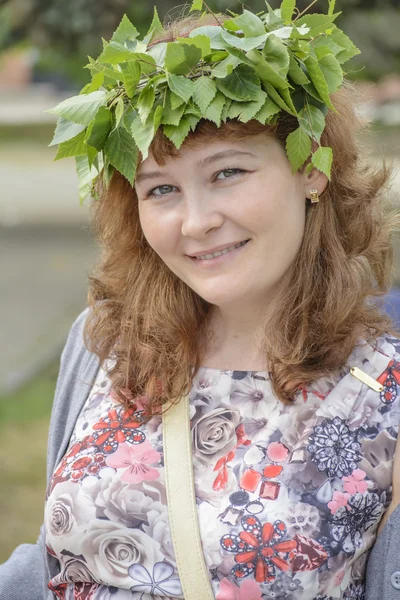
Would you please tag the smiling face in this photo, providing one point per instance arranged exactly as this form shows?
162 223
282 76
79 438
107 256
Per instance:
215 195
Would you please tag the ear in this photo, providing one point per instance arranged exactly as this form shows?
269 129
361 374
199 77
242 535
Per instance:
315 180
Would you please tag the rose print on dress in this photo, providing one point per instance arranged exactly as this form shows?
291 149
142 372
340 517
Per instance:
135 460
260 549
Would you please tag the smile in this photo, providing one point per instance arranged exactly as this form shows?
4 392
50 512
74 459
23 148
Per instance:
220 256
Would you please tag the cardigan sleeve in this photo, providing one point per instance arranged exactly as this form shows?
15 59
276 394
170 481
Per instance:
383 568
25 574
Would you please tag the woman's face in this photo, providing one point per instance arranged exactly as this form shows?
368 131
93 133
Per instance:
215 196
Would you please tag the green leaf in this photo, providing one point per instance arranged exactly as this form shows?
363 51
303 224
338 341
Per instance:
92 155
122 152
243 84
115 53
287 98
73 147
147 62
225 67
196 5
322 160
277 98
341 39
176 101
80 109
96 83
214 33
200 41
332 72
181 86
250 24
86 175
156 26
125 31
65 130
295 72
119 111
298 148
272 19
267 111
192 109
177 134
225 110
277 55
110 75
245 111
317 23
204 92
214 110
101 127
144 134
131 72
287 10
325 42
180 58
172 116
318 79
157 52
266 72
243 43
145 102
312 121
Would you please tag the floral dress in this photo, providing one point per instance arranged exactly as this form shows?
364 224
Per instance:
289 497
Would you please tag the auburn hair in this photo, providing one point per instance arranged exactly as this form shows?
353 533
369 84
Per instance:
151 323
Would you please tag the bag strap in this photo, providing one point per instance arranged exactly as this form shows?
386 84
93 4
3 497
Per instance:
182 508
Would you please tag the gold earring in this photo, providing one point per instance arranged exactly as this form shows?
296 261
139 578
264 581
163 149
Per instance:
314 196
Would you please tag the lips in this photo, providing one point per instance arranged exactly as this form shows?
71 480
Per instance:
217 249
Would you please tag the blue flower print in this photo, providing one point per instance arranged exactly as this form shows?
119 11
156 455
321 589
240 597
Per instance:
334 448
161 581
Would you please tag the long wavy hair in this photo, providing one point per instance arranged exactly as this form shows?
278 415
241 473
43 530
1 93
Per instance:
152 324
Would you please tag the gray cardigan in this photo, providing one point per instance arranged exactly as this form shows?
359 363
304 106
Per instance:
26 573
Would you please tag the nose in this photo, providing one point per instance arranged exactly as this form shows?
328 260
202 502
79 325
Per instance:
200 214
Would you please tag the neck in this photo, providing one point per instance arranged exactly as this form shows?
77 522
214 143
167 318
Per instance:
234 344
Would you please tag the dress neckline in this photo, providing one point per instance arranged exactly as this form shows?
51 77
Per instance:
234 372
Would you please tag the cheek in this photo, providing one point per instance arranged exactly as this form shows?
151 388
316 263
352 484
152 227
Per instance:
157 230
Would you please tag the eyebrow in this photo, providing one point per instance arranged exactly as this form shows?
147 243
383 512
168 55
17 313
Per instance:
140 177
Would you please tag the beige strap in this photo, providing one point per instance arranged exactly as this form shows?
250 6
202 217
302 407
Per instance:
182 510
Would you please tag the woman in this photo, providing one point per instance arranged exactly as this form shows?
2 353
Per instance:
220 279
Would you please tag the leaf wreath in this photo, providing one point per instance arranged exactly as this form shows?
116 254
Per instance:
252 66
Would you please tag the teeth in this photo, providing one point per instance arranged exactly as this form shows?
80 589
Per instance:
221 252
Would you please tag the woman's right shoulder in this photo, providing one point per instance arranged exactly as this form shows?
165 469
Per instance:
76 358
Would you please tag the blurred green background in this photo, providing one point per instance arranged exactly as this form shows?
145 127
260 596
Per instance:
46 247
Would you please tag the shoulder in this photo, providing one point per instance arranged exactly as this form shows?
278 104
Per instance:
77 373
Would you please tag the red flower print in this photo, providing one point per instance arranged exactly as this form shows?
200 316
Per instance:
260 549
389 379
221 479
119 426
136 460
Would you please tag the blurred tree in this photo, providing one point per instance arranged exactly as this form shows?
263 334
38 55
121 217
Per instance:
68 31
